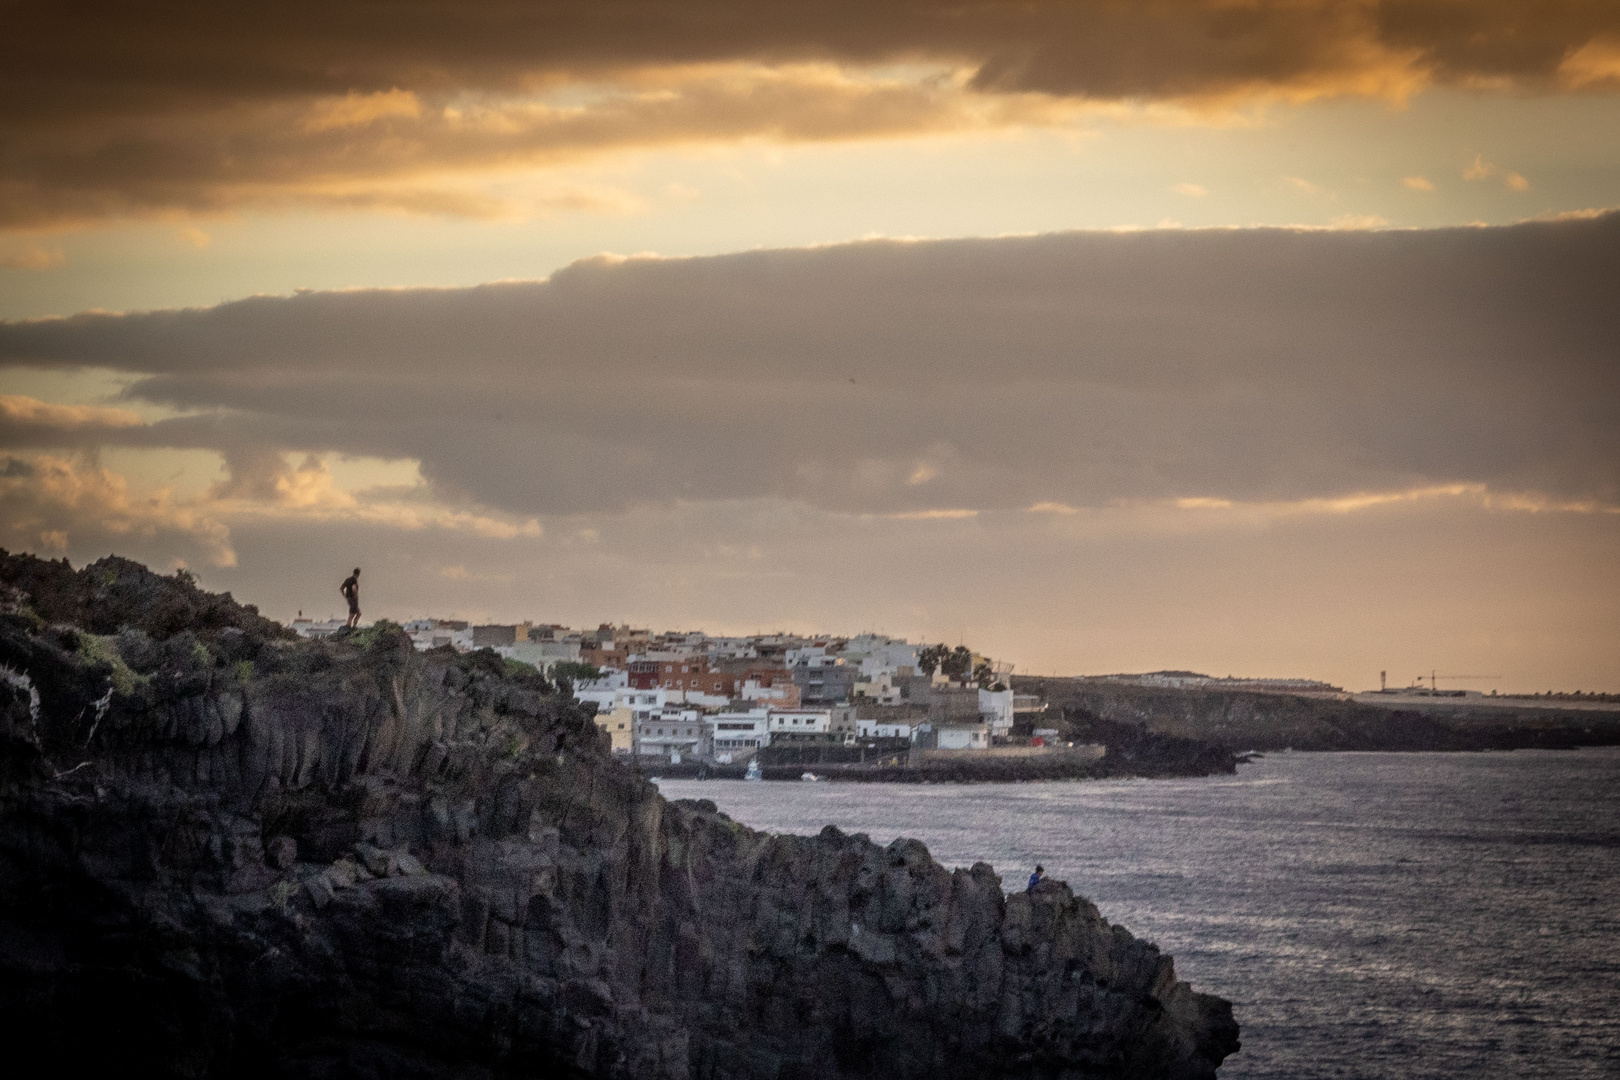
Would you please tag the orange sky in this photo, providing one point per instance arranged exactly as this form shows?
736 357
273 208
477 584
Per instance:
1206 334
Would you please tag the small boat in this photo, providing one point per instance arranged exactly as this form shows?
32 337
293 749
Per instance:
753 772
810 777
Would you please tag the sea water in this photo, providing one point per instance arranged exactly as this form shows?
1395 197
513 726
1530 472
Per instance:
1368 915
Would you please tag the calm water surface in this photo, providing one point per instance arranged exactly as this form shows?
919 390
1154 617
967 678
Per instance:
1369 915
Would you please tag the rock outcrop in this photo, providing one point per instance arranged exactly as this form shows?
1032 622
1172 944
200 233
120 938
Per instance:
224 852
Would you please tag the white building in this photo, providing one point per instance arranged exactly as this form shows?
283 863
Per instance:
960 736
641 703
879 686
814 655
884 729
996 707
876 654
730 648
800 721
739 733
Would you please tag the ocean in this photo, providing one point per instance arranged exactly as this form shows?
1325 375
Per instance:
1368 915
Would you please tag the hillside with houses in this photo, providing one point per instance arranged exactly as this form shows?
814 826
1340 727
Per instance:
676 699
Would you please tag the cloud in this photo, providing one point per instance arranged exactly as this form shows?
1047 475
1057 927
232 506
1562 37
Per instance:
1480 169
357 110
1079 369
935 515
19 412
33 257
1477 494
163 108
48 502
1594 65
263 484
53 501
1191 190
388 152
1417 183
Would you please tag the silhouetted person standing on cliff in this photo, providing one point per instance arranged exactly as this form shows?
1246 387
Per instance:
351 592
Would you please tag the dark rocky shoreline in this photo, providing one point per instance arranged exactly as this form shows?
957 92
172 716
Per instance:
224 852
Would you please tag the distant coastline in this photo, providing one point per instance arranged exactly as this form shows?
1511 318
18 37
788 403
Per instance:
1237 721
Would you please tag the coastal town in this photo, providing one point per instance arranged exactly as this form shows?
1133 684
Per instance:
793 706
674 698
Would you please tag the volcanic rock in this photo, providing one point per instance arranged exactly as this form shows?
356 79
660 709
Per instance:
225 852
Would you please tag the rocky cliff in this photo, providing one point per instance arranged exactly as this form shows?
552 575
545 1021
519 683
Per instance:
224 852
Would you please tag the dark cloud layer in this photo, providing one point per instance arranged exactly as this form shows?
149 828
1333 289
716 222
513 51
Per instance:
70 59
119 109
894 377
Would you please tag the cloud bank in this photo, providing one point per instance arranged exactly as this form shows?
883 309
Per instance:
912 378
120 110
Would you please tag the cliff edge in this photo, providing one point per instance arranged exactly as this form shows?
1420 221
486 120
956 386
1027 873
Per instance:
228 852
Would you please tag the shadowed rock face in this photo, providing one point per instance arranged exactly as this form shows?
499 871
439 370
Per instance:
227 853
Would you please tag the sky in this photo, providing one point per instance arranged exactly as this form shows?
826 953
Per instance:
1248 337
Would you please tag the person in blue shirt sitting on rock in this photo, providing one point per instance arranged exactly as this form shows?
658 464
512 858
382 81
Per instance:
1036 878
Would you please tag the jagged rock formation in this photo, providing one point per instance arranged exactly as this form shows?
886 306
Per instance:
223 852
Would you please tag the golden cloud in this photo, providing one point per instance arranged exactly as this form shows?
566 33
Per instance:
165 108
1480 495
357 110
1594 65
21 410
360 153
50 502
53 501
